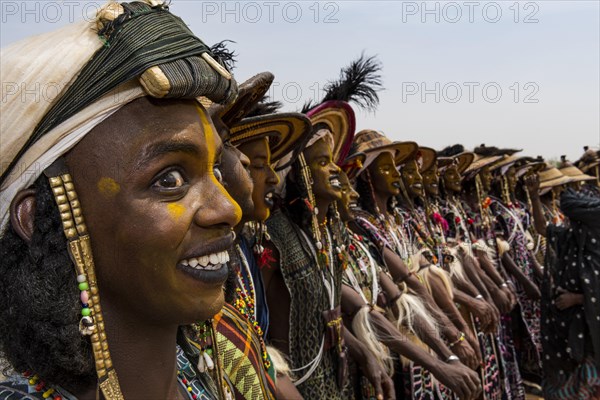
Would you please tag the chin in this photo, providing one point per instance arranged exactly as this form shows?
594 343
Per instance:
261 214
213 308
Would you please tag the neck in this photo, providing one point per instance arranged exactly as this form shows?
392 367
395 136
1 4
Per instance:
471 197
135 345
451 196
323 206
382 201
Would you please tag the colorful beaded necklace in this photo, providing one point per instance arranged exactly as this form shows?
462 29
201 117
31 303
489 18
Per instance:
245 303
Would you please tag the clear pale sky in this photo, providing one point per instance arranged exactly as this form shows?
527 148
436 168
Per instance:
504 73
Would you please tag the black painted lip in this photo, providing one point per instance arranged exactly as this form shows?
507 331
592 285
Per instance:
211 277
269 200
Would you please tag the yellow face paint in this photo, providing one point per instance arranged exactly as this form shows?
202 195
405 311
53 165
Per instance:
108 187
210 145
176 210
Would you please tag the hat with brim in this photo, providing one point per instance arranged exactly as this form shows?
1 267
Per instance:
339 118
505 163
534 167
461 160
249 94
352 164
575 174
480 162
287 132
373 144
585 167
427 158
551 177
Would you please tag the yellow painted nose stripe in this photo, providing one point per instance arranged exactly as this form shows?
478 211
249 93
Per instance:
209 135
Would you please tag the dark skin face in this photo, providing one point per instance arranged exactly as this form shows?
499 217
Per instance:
264 177
452 179
325 173
236 178
413 181
431 179
384 175
152 198
511 177
349 200
486 178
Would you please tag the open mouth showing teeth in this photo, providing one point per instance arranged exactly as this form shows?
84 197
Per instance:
353 205
417 186
212 262
269 199
334 181
396 184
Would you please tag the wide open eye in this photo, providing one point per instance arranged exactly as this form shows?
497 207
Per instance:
169 180
218 173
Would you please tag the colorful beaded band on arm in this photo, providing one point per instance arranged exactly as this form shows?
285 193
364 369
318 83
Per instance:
461 338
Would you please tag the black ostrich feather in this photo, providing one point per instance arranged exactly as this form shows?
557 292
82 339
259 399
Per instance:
264 107
223 54
308 106
359 82
489 151
451 150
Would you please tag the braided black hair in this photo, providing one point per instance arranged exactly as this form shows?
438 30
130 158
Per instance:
365 191
39 301
295 195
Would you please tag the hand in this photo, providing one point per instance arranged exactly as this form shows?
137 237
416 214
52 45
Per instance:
383 384
467 355
511 295
495 315
532 183
494 318
567 299
501 300
474 343
461 380
482 311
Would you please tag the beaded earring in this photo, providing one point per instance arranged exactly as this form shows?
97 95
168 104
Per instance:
310 203
379 215
483 204
80 248
506 196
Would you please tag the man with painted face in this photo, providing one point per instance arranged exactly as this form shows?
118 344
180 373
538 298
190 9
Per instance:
455 255
246 359
466 292
366 281
484 230
304 280
378 182
417 225
113 185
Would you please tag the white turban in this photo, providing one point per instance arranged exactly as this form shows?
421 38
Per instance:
33 72
36 72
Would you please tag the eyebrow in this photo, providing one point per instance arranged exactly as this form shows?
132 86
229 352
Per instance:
157 150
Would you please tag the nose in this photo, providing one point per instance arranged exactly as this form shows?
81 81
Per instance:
418 176
217 207
272 178
354 194
334 169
